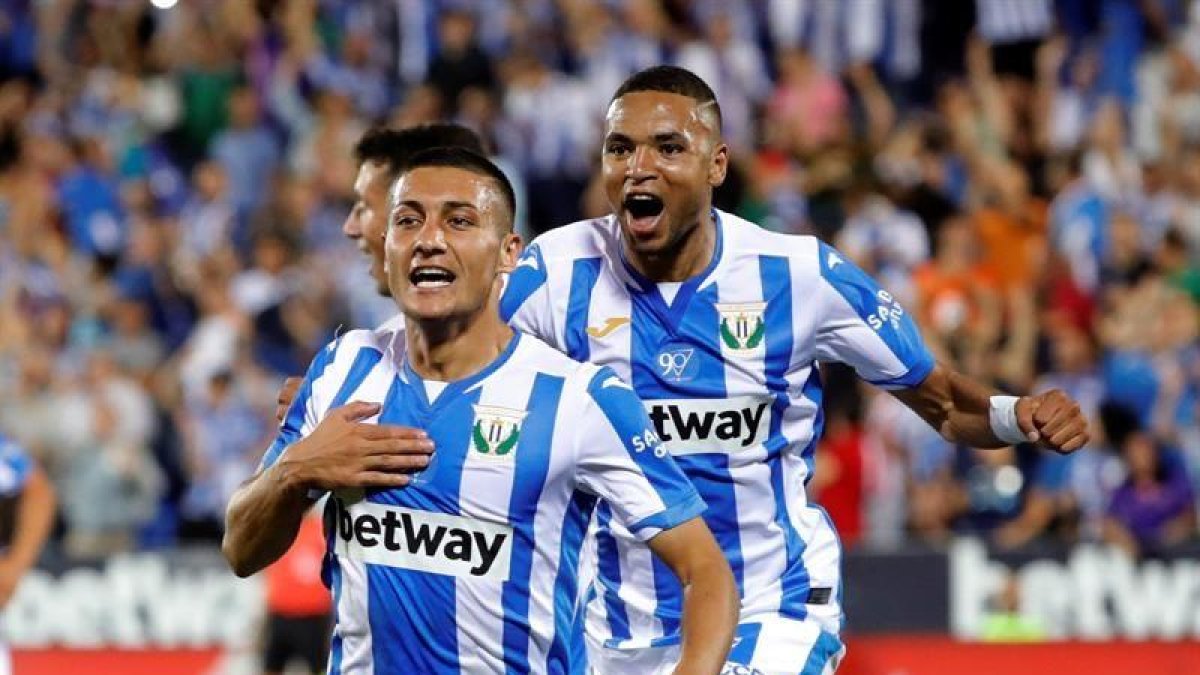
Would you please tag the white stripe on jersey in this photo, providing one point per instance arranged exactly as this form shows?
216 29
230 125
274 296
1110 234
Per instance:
755 324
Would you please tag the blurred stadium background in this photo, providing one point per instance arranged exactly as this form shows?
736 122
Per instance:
1024 174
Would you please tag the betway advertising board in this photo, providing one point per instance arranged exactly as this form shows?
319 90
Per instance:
916 612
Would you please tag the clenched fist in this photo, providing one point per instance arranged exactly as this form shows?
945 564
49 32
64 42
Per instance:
1053 420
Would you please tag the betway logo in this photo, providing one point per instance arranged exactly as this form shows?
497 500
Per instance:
695 426
1095 594
423 541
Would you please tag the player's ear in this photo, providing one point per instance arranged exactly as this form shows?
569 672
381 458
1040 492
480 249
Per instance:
510 251
719 165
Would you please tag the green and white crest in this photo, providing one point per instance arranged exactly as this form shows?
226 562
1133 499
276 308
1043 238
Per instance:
496 431
742 326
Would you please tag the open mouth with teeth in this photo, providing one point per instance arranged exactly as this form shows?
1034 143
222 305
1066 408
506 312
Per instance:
431 277
642 211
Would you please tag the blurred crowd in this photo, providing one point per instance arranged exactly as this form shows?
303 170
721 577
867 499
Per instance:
1023 174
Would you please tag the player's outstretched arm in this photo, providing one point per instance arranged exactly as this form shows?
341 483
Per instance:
35 518
968 413
710 597
264 514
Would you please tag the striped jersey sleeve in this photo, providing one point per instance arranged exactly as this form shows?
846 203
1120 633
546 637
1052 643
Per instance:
526 303
863 326
622 460
335 373
15 467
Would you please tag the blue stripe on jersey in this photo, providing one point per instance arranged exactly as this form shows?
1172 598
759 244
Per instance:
566 650
533 451
776 281
814 392
826 647
392 590
584 274
526 278
364 362
747 640
709 473
880 311
609 559
289 431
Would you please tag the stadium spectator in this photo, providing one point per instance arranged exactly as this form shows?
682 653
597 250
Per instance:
1155 506
247 151
298 618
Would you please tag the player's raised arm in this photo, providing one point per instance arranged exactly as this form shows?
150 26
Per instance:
966 412
864 326
624 462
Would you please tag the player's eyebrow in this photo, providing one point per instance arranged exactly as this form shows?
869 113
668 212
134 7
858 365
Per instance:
658 138
669 137
452 205
410 204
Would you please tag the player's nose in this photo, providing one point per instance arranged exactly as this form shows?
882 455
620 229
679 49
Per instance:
641 164
430 238
351 227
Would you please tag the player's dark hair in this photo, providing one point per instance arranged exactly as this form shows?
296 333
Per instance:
672 80
467 160
394 148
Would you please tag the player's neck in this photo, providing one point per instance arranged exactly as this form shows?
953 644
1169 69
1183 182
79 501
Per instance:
688 258
454 349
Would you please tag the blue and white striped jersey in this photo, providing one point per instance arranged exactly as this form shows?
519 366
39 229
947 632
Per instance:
728 374
473 567
15 467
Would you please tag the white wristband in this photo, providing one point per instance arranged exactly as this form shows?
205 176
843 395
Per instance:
1002 414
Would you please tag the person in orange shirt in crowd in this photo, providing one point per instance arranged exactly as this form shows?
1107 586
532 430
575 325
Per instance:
957 300
298 603
1012 229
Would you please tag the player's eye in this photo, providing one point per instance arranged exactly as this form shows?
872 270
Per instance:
671 149
460 223
618 149
407 222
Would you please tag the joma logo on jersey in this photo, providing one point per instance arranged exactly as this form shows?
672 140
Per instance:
695 426
423 541
496 431
742 326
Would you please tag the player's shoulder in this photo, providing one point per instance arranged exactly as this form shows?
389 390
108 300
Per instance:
581 239
579 377
534 354
340 352
748 239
